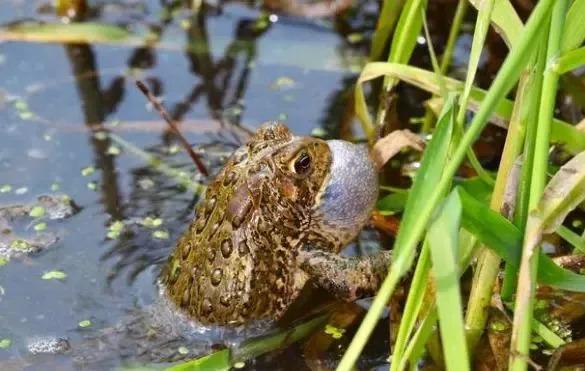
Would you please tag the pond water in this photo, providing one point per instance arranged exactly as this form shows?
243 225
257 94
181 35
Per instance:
54 96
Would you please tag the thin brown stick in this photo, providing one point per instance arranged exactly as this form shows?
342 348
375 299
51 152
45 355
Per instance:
165 115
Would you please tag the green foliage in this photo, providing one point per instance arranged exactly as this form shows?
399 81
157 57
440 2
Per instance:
548 45
418 210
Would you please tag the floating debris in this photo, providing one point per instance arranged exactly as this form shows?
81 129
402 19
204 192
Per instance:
21 190
48 345
23 110
282 83
145 183
5 188
173 149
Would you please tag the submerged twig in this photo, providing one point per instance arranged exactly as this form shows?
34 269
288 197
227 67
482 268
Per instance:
165 115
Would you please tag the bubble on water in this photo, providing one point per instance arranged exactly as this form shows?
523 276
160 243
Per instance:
48 345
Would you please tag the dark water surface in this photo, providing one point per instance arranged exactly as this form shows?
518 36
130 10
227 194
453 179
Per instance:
294 71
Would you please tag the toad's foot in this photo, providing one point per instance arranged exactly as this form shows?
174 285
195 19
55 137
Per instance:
348 278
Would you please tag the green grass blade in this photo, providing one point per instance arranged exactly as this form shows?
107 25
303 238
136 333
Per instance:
572 139
527 275
481 221
505 20
571 237
443 238
485 8
407 31
458 18
86 32
256 347
225 359
428 174
526 104
416 347
570 61
219 361
574 32
430 171
416 295
386 22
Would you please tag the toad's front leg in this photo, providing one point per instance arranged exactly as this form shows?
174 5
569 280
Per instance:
348 278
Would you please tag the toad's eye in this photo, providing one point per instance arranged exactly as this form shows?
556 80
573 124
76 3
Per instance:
303 163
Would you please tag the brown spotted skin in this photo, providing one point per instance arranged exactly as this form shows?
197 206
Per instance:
237 261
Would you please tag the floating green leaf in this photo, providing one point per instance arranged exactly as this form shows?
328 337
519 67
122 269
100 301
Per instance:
335 332
115 229
40 226
160 234
54 275
151 222
37 212
85 323
19 244
5 343
21 190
